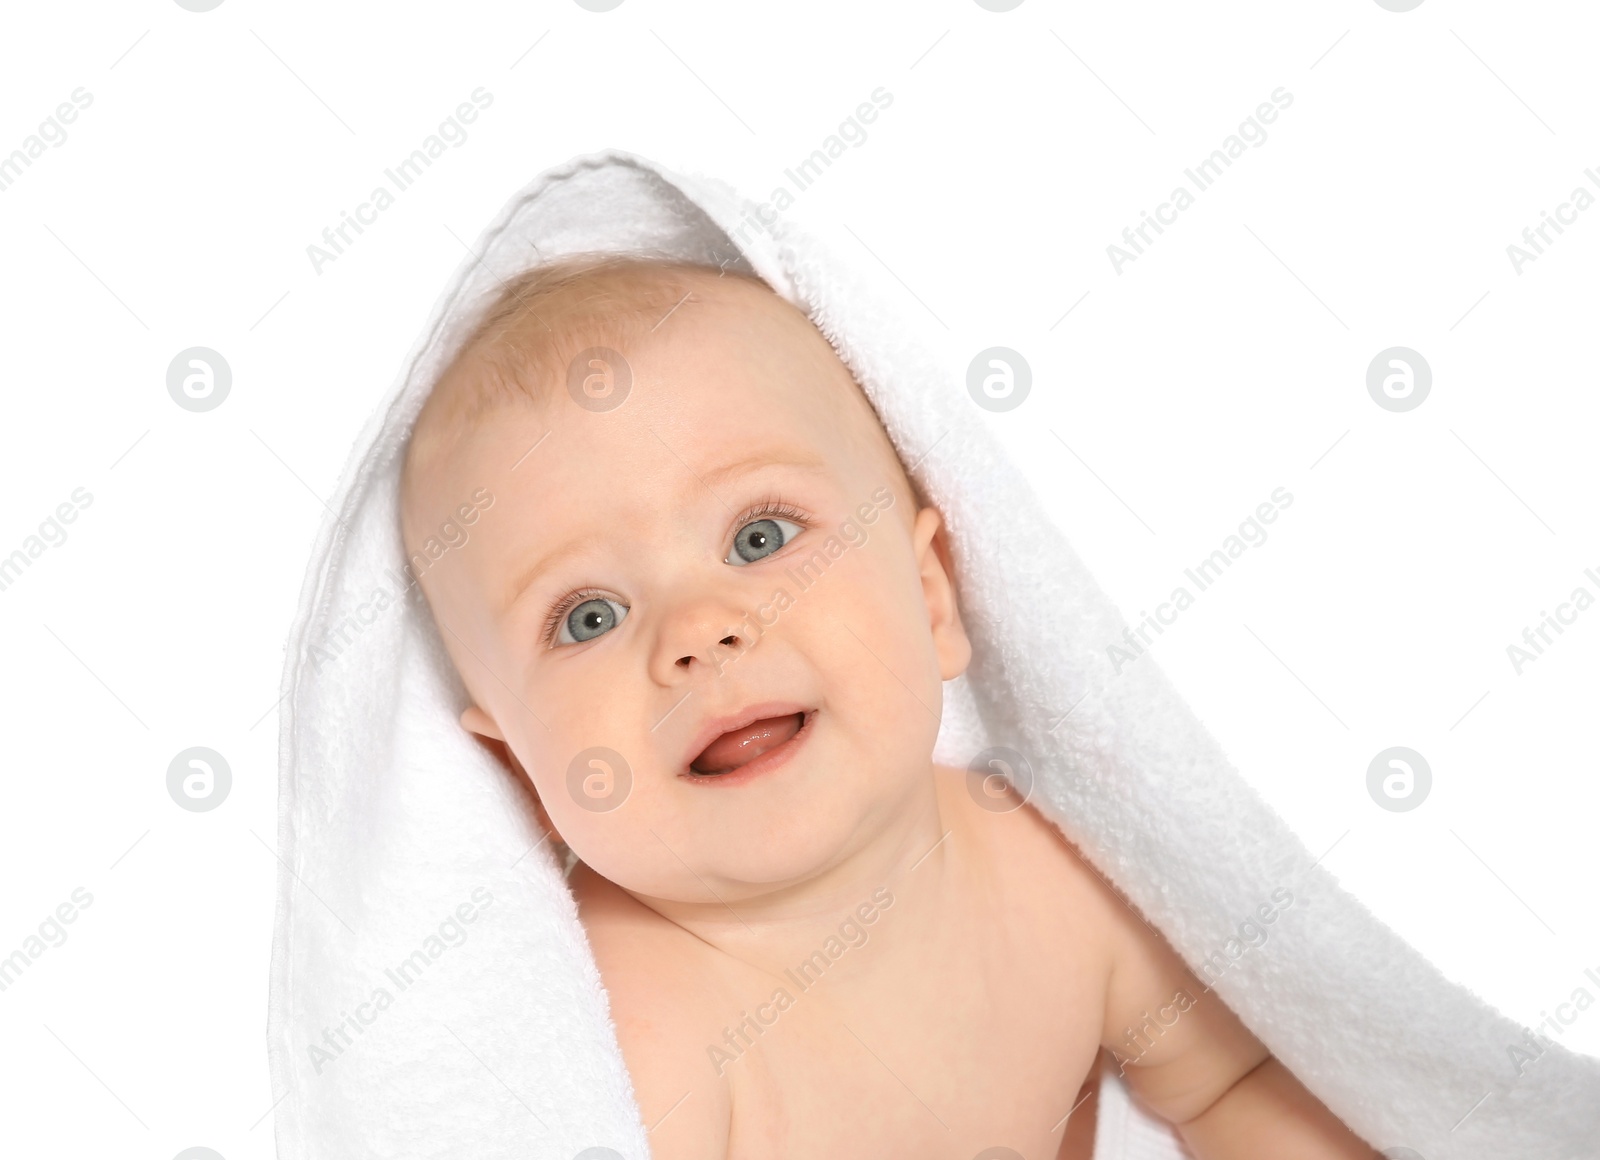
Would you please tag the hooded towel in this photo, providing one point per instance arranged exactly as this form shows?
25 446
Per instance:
432 991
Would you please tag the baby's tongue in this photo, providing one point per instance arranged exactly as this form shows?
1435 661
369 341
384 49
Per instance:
740 746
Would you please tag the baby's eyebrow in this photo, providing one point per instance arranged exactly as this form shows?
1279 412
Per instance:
755 462
520 584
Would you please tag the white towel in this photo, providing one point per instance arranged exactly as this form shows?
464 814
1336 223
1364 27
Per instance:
432 991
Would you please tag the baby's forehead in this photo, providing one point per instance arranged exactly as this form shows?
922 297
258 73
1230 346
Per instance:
723 358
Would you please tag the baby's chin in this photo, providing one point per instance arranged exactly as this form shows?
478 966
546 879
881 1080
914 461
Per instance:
735 870
783 854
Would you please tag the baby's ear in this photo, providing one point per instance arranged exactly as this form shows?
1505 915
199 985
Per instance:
931 542
475 720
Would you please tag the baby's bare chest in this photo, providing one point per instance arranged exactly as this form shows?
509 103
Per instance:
901 1077
980 1039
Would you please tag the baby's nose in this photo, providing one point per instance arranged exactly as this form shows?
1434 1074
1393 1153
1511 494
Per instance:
716 659
732 640
705 636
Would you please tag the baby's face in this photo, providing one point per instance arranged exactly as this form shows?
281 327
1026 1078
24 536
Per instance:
732 537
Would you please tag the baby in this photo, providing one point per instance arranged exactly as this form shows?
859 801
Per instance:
708 620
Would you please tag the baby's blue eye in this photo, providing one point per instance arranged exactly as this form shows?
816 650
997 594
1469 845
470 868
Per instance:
590 619
760 538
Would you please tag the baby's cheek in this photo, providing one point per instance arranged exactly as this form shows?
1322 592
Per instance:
624 850
600 802
601 838
879 666
597 780
890 614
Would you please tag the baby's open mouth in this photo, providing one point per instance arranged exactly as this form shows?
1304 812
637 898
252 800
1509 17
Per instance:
743 745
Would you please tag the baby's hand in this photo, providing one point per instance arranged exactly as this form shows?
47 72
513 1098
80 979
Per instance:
1192 1062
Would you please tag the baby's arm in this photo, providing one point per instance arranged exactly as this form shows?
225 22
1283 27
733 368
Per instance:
1192 1062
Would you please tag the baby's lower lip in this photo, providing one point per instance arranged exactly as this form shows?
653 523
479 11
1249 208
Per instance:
770 760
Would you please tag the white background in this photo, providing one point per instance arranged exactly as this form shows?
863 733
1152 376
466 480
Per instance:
1228 360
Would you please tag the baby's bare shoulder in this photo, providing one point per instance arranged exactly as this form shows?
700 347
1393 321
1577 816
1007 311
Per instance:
1031 854
654 982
